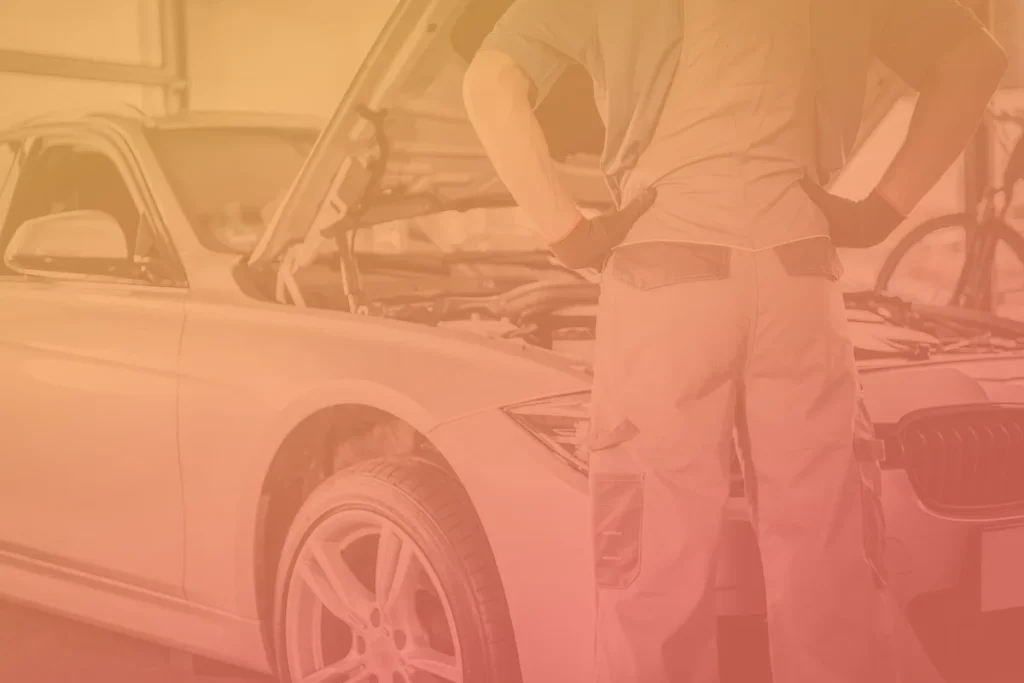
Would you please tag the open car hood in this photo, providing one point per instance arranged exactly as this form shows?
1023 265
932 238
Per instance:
410 83
337 170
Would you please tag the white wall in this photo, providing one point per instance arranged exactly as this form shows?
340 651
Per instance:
95 29
274 55
1008 26
114 30
265 55
269 55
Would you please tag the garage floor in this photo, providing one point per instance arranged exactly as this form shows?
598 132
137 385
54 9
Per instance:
40 648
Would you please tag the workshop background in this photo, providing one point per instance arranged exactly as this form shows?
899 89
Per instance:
297 56
285 56
263 55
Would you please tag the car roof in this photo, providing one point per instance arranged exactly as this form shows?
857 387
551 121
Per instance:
128 115
238 120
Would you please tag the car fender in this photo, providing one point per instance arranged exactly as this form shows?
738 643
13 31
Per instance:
338 392
249 374
893 393
236 590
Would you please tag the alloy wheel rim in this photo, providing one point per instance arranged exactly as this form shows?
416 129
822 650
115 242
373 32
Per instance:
365 606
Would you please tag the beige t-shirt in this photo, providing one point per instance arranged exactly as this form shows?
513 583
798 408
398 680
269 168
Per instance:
737 132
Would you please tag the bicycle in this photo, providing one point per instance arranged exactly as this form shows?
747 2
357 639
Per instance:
977 242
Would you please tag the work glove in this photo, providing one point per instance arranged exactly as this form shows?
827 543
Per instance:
590 243
856 225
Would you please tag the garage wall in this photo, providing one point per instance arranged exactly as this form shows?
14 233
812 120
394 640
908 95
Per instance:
267 55
275 55
1008 25
114 30
95 29
270 55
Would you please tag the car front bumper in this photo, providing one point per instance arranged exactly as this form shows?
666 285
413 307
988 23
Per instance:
534 510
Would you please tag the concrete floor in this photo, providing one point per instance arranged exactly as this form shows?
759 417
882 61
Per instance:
36 647
41 648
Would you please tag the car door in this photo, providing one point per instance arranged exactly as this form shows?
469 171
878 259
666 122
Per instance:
89 474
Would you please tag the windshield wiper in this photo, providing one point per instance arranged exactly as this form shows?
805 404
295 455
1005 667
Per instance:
956 329
974 322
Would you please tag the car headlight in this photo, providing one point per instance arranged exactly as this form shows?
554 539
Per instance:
560 423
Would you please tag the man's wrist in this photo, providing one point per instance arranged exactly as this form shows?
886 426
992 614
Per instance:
900 204
880 210
580 247
876 220
562 225
591 240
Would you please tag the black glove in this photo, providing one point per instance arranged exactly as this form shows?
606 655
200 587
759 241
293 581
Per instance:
592 240
857 225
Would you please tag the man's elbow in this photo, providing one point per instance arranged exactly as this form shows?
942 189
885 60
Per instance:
992 58
494 80
978 58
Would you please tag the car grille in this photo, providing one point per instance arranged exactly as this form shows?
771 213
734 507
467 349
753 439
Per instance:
966 461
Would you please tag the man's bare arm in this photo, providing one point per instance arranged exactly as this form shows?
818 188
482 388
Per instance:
953 97
951 105
497 95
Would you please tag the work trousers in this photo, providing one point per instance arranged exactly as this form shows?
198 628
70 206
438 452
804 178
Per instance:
696 345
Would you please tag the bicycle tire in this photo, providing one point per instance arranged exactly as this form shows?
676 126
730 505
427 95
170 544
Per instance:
1004 234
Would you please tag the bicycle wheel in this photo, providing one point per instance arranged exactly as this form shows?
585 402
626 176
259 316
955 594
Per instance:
926 265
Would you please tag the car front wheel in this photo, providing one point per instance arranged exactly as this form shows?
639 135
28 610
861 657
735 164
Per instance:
386 576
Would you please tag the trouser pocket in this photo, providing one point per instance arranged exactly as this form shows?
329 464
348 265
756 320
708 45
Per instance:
653 265
869 452
816 256
617 507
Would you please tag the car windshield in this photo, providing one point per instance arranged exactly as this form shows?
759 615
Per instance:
229 180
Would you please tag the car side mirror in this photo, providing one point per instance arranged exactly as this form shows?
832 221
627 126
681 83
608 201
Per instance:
75 241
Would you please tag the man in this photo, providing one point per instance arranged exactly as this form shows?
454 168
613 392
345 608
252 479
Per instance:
720 296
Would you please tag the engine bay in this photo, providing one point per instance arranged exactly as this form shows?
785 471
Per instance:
536 303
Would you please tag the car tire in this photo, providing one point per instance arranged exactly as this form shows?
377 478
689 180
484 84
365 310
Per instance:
427 506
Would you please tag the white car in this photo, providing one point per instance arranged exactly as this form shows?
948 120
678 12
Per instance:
307 400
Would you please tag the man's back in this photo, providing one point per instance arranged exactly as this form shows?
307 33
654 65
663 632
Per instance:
737 132
725 122
632 51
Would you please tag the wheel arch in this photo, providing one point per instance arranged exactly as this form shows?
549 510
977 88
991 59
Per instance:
321 433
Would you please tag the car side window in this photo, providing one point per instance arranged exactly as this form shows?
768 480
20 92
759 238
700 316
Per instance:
12 157
73 213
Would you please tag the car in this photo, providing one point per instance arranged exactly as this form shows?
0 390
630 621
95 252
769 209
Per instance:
307 397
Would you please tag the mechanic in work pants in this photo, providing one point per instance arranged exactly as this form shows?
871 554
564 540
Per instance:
720 296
